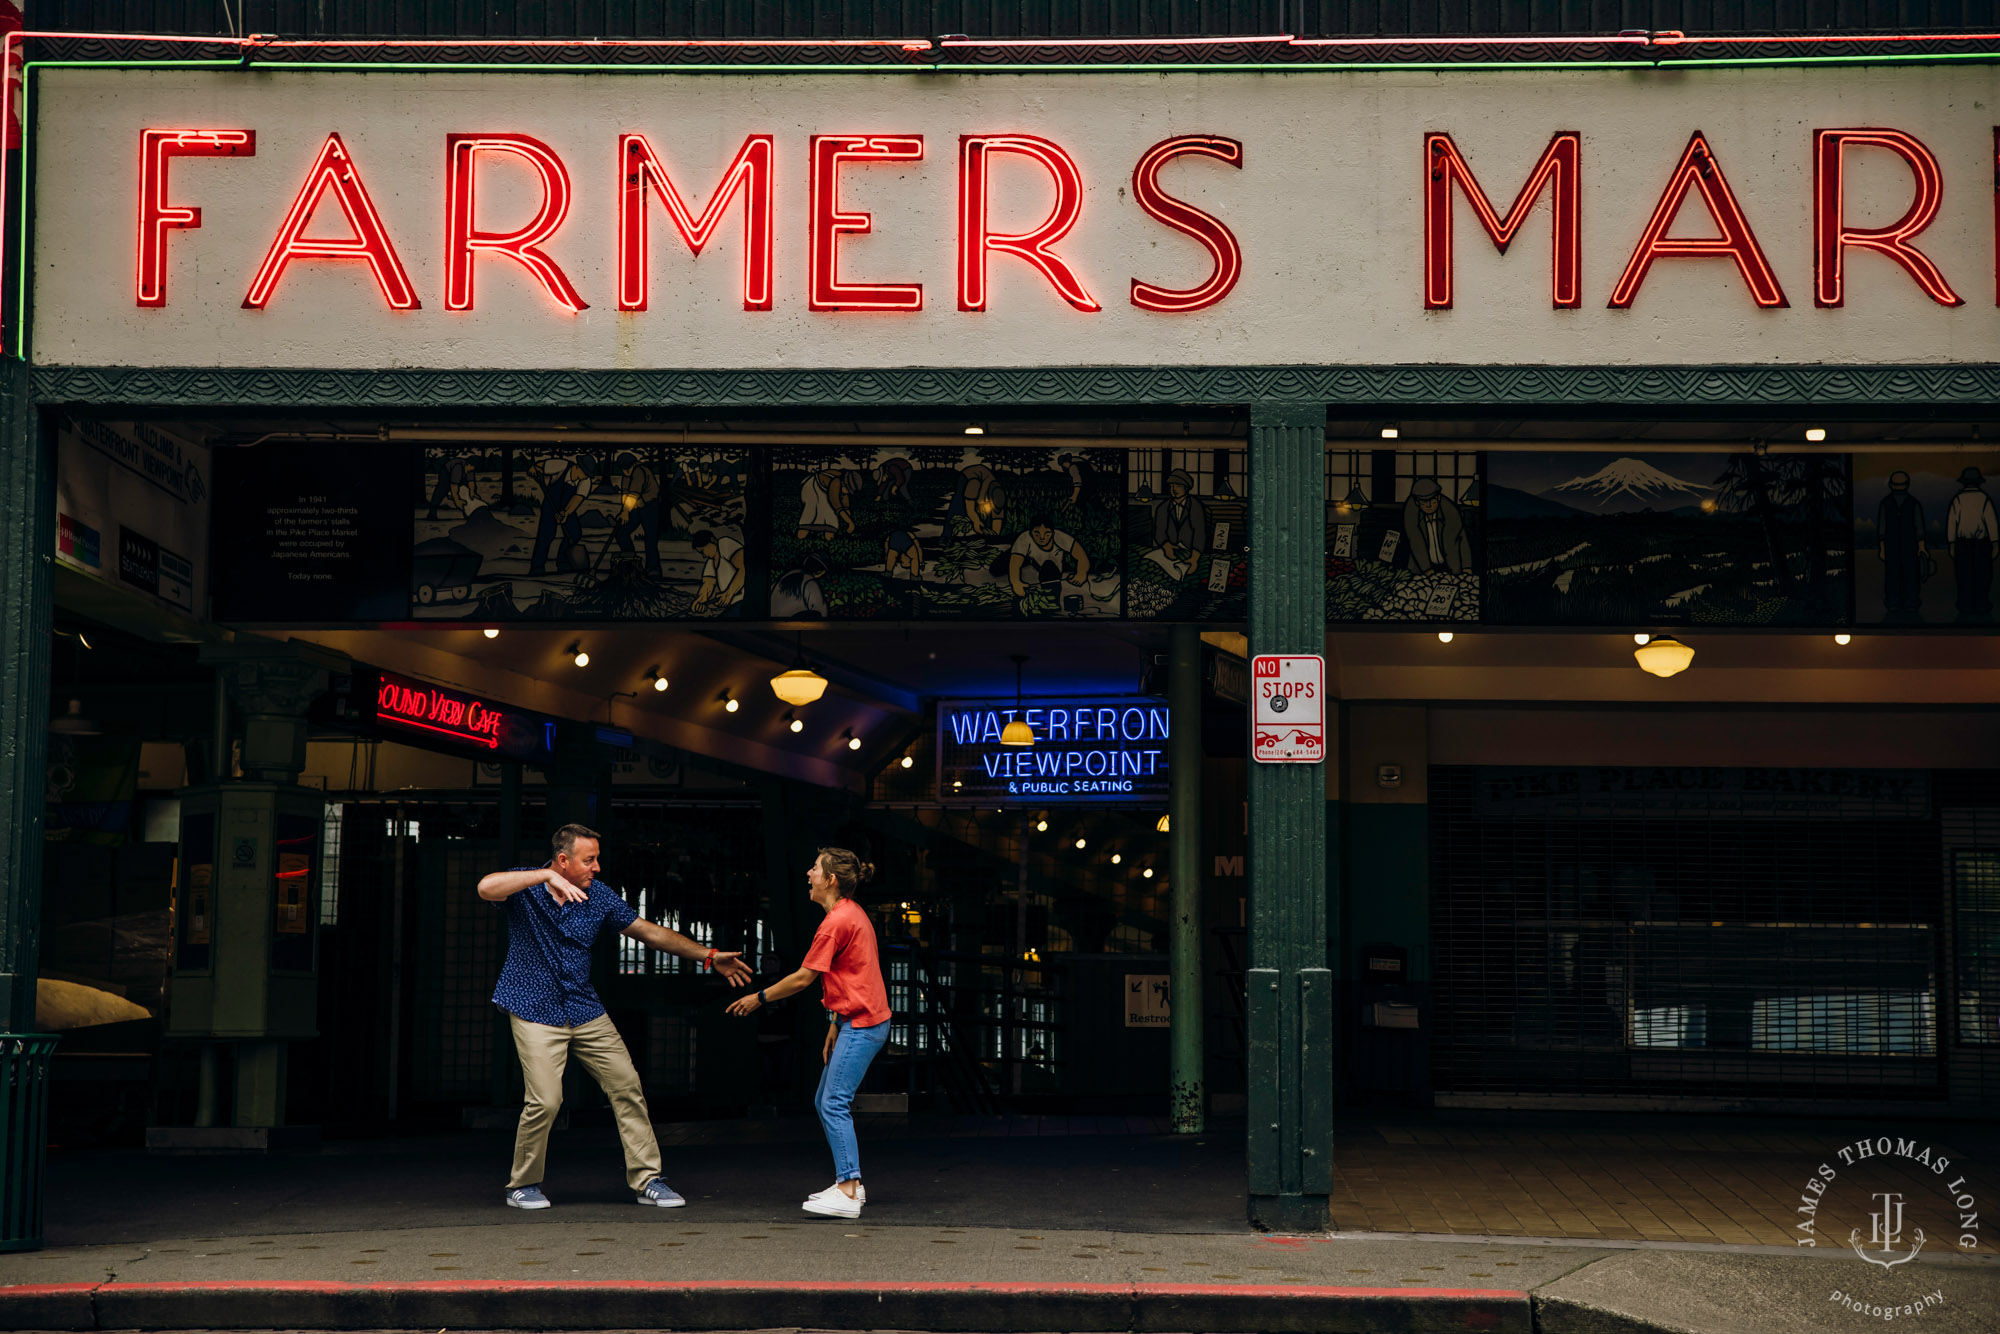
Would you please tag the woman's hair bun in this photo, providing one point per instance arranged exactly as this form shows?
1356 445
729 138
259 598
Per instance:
867 872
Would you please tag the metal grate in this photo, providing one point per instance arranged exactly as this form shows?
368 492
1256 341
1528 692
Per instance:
1697 932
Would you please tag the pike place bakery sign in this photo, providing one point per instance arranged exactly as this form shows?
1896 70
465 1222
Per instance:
504 220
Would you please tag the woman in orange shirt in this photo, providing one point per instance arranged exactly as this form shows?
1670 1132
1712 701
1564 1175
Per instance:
844 961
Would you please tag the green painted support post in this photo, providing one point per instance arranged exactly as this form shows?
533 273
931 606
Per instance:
27 551
1189 1097
1288 989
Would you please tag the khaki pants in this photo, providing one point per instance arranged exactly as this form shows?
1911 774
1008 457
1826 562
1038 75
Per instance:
544 1053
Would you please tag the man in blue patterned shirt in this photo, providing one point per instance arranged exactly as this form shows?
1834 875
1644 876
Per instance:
554 914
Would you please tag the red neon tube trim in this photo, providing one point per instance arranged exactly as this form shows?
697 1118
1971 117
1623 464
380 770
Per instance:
464 240
334 170
1699 170
1832 236
1116 41
750 173
1996 215
824 290
1216 238
974 240
490 742
156 216
1558 170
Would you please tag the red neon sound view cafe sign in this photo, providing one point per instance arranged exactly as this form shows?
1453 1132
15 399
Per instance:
438 715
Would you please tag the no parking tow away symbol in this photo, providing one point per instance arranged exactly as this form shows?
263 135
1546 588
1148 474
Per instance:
1288 708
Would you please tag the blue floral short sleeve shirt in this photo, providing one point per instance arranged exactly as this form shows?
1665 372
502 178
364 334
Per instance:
546 979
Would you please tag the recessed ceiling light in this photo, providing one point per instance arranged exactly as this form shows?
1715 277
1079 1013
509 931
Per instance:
1148 873
1444 636
1843 638
1815 433
1642 639
975 429
1116 858
491 632
1390 433
1080 845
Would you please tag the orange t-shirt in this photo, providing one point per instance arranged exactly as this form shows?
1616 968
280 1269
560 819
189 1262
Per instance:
843 954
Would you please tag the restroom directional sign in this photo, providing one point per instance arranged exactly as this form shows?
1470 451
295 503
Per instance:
1288 708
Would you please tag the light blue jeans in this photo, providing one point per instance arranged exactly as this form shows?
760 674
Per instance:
853 1050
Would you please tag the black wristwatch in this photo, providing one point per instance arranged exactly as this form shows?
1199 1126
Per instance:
762 999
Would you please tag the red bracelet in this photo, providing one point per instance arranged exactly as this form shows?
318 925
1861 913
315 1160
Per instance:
709 962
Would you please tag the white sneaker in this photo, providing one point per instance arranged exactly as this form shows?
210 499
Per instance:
860 1192
834 1205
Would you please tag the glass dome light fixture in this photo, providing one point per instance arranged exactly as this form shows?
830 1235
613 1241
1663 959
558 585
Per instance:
1017 732
799 685
1663 656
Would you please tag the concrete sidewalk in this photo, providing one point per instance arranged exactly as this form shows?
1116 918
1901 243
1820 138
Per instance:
676 1269
1051 1225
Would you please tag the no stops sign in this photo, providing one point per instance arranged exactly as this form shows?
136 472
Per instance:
1288 708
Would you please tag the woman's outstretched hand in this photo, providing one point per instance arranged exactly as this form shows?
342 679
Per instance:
744 1006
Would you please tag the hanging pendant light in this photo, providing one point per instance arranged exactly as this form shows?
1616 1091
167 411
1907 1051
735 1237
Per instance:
1017 732
801 685
1663 655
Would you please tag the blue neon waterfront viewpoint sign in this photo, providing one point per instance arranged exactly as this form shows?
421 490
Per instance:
1086 750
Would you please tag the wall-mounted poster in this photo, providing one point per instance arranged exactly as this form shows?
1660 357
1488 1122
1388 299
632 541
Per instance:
1925 537
306 535
1187 529
513 532
973 533
1635 540
1403 535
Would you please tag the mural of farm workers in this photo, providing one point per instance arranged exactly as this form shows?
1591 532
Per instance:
1435 530
1037 558
454 487
984 499
903 551
1180 526
823 505
1072 466
639 510
566 483
892 480
721 573
1971 530
1899 529
796 594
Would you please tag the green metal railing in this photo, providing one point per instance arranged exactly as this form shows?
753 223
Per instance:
24 1134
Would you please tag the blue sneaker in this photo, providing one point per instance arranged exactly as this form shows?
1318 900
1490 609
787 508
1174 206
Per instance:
527 1197
660 1195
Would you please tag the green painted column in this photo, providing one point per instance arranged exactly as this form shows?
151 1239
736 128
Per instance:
27 551
1288 988
1189 1101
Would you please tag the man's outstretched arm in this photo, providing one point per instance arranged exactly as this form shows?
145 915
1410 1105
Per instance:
729 963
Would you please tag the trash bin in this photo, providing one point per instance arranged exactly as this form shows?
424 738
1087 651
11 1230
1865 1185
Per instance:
24 1137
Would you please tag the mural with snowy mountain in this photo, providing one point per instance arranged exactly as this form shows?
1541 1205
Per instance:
1637 540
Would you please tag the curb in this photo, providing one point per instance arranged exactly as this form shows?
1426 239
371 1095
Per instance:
993 1308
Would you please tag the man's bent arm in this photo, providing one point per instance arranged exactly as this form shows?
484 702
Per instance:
504 885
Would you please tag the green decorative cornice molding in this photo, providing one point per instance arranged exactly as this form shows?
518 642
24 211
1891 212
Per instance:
1818 387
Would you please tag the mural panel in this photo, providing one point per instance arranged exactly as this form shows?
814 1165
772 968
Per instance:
1187 525
1403 535
511 532
941 532
1632 540
1925 537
